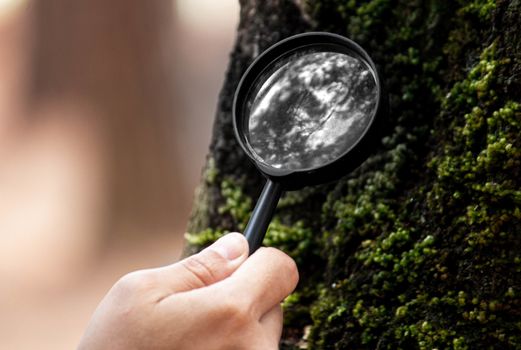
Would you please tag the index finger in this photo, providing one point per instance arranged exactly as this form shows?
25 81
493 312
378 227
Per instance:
265 279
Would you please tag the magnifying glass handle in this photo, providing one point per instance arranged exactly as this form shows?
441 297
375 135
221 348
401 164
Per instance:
262 214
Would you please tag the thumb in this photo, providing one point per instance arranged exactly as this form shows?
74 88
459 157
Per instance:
209 266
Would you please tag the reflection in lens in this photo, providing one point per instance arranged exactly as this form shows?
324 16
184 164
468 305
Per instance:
310 109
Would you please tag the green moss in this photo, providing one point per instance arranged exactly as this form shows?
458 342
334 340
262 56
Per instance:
419 247
296 239
211 171
203 238
482 8
398 249
236 203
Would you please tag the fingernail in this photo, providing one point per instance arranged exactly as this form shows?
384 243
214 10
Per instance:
230 246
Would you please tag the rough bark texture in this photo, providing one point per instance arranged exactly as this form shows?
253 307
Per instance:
262 23
420 247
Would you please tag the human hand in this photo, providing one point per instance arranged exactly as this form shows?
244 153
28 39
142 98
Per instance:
216 299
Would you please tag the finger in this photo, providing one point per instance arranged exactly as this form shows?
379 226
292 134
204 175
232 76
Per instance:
271 323
268 336
264 279
207 267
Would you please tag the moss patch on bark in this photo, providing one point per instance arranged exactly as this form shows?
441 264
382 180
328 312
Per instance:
420 247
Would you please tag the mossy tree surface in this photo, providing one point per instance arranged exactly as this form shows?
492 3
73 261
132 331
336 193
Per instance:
419 248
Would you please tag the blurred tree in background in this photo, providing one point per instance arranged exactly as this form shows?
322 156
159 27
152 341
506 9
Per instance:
105 109
88 114
419 248
117 58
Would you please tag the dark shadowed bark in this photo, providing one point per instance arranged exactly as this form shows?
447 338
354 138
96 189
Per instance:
419 248
262 23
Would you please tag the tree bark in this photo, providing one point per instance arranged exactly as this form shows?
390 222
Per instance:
418 248
262 23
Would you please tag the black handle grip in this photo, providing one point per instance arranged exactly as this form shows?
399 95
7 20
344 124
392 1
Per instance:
262 214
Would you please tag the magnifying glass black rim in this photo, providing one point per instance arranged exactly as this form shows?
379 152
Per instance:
350 159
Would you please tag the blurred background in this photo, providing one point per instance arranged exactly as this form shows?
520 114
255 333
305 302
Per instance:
106 110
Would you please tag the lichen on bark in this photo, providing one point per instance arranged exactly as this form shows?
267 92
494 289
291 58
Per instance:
419 248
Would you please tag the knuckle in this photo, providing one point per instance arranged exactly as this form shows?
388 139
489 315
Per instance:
202 267
237 311
286 265
293 270
279 312
134 283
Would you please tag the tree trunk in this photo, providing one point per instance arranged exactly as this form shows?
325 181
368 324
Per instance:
418 248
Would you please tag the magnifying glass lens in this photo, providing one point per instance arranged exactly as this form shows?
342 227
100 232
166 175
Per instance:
307 111
309 108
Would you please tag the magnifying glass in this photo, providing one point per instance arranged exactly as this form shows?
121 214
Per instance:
307 111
